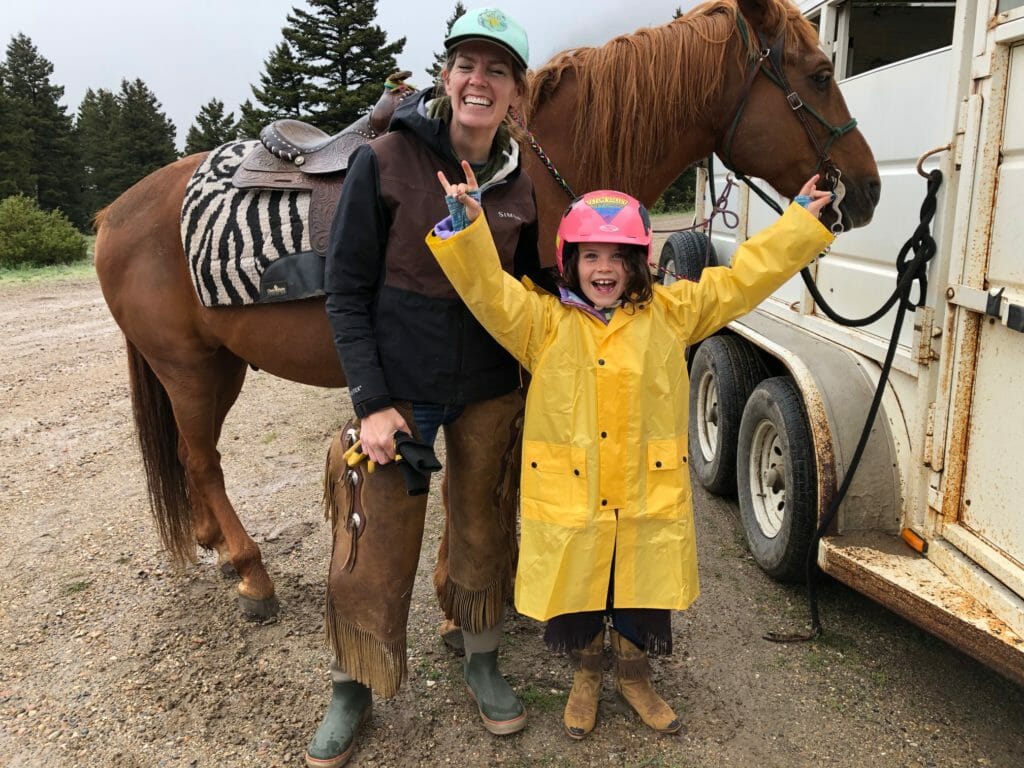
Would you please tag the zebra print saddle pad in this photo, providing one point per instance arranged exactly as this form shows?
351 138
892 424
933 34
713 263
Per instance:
246 246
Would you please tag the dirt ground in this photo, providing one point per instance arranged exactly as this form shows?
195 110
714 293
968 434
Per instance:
109 657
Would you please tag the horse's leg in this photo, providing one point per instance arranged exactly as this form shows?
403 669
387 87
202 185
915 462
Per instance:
201 394
204 525
204 522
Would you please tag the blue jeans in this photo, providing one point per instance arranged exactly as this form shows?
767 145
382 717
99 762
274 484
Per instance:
430 417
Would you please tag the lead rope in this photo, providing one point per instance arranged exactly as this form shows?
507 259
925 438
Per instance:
923 245
730 219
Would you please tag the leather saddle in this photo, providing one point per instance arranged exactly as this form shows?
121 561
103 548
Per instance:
298 156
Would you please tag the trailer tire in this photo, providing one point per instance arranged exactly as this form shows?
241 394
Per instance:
777 479
724 371
683 256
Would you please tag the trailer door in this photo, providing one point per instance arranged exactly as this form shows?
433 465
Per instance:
988 427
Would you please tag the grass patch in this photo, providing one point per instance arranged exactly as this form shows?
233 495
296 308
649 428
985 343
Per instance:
269 438
75 587
542 700
654 762
23 275
536 760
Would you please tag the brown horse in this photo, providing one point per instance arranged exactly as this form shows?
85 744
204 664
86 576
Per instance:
646 106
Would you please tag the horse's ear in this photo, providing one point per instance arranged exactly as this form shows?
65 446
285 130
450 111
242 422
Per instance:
765 17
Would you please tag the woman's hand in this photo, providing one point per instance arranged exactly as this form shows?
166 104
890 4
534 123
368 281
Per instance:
814 198
460 191
377 434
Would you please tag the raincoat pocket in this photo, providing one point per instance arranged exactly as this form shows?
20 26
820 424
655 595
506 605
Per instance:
554 488
668 487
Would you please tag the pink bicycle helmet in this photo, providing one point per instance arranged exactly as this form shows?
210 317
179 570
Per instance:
604 216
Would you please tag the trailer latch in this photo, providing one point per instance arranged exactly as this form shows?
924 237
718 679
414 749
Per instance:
989 303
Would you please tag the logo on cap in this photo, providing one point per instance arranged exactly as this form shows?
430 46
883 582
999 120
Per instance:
493 21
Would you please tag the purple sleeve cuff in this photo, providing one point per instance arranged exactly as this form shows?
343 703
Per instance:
444 228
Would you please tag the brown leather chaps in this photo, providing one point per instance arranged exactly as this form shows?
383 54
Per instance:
378 533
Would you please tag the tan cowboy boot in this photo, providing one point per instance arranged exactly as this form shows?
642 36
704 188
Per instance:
633 682
581 708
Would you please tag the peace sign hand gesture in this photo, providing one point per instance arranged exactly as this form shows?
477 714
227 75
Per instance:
463 198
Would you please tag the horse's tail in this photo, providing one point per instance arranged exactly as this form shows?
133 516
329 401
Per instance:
158 440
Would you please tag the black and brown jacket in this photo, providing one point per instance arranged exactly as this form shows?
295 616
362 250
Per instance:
400 329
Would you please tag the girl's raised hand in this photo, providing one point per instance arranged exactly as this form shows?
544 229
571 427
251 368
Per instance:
814 198
460 191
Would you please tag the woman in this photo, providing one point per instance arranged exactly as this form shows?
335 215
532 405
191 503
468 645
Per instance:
416 360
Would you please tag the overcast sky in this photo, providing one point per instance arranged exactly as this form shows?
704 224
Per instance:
190 51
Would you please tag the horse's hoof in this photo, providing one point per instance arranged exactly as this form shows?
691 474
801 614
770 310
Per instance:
265 608
451 634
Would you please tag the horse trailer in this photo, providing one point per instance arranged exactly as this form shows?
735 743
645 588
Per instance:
930 526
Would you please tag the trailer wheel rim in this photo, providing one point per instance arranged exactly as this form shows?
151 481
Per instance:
668 274
707 416
768 479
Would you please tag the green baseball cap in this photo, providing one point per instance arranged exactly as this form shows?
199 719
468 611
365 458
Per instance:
493 26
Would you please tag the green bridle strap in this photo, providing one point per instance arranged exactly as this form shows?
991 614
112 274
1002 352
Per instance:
769 61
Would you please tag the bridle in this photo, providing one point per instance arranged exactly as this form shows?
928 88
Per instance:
769 61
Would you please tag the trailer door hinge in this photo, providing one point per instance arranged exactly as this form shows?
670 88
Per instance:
925 334
988 303
934 450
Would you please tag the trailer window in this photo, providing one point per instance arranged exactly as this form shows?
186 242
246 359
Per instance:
1006 5
886 31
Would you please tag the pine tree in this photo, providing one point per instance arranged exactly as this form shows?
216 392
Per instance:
251 121
144 134
440 59
284 88
15 147
99 115
344 58
211 128
33 106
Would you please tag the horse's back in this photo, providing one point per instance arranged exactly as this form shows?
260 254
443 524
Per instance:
154 195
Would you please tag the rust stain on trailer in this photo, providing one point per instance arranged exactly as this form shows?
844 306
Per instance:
821 436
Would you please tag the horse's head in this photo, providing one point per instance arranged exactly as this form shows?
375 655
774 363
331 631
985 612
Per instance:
788 118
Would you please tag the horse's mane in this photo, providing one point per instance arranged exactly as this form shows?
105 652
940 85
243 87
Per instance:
637 92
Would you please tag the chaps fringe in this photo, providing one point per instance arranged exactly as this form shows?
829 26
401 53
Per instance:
474 610
381 666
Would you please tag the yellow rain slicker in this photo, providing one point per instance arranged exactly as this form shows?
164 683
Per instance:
604 443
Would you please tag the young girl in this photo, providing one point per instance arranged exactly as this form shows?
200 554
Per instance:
607 523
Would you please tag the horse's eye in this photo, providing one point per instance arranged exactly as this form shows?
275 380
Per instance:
821 79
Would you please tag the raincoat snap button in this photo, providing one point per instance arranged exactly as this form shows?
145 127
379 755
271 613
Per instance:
533 464
600 361
576 472
604 434
604 502
657 464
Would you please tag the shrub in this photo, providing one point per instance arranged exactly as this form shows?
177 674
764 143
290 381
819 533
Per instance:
29 236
